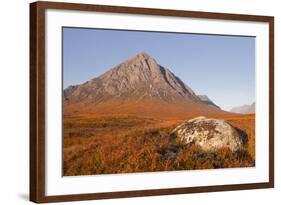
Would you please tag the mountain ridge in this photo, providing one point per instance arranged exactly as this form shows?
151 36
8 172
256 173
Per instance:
244 109
208 101
138 76
138 80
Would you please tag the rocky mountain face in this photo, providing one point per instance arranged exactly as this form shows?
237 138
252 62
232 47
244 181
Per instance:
245 109
133 83
206 100
210 134
139 77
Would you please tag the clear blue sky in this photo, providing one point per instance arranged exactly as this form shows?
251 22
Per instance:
222 67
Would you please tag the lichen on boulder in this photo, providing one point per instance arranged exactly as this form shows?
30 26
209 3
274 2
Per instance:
209 134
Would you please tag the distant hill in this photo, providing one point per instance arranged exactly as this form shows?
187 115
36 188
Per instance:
138 85
244 109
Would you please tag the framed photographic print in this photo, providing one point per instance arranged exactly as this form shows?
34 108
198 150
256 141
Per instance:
128 102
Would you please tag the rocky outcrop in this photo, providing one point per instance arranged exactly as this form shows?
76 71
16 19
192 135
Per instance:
208 101
210 134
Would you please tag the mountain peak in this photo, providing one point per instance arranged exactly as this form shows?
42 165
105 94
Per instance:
139 78
141 66
141 57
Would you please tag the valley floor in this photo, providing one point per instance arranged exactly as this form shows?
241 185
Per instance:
125 144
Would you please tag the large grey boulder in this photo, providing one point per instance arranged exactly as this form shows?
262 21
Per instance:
209 134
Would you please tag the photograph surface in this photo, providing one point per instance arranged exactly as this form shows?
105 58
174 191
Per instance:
144 101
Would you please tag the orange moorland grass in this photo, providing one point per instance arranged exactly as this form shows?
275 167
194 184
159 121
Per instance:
247 124
124 144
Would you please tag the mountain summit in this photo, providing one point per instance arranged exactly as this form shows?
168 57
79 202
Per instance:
140 77
136 83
